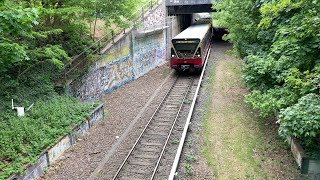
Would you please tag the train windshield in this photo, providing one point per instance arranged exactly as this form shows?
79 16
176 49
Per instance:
185 48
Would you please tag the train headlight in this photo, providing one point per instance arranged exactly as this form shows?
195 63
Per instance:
198 55
173 55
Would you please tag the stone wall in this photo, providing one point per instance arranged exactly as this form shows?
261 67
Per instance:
155 18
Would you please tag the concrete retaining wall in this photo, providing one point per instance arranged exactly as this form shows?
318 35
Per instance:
149 51
306 164
51 154
135 54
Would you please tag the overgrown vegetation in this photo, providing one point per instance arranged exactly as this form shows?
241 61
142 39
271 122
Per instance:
23 139
42 33
280 43
37 39
237 144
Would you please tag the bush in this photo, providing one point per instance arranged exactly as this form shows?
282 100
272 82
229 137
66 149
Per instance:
280 43
302 120
269 102
24 138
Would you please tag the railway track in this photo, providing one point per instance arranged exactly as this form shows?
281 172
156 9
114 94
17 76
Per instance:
143 160
156 152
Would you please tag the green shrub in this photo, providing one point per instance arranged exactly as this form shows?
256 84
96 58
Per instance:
271 101
280 43
24 138
302 120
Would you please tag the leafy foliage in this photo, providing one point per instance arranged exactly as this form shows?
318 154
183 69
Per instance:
280 43
240 18
45 31
37 38
302 120
23 139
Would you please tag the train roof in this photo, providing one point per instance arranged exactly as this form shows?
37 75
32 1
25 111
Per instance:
194 32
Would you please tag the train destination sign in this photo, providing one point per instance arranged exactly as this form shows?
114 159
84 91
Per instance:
185 41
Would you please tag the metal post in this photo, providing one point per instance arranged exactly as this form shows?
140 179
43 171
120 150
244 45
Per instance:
99 45
112 34
142 14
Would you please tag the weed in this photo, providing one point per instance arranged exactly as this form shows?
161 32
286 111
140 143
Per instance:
190 157
189 169
189 143
174 141
188 101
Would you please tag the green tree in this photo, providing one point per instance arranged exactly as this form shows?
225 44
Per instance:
241 19
280 43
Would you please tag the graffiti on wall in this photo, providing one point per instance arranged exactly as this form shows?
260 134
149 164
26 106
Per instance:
149 51
113 54
121 72
80 131
157 17
96 116
128 59
104 79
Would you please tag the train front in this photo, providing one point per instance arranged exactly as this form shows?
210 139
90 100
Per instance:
186 54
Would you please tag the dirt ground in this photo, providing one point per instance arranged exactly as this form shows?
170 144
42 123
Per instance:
227 139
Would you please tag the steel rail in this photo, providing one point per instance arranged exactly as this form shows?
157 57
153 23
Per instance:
184 133
141 134
173 124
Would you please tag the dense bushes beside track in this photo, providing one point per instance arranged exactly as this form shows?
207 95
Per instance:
280 44
24 138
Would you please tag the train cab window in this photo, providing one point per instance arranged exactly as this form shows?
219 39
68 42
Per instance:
185 49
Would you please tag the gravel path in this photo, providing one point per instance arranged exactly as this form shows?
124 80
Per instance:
121 107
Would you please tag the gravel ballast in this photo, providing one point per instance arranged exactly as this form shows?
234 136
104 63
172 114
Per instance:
121 107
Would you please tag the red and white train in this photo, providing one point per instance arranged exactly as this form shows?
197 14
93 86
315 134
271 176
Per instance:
190 47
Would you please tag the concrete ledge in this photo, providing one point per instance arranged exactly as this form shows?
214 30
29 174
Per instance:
96 115
52 153
141 34
306 164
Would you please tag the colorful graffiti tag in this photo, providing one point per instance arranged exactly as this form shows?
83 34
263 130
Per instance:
104 79
149 51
